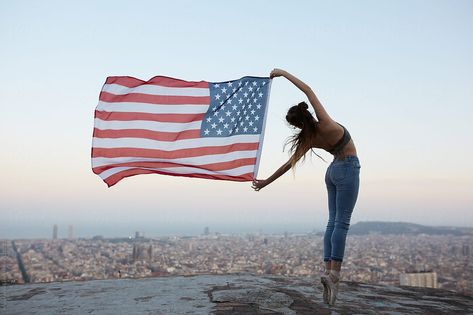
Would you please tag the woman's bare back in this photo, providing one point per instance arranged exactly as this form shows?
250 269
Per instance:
328 134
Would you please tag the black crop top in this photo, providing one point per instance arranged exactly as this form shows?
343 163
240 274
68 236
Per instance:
342 142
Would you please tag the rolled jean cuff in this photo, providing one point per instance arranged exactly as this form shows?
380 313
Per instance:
337 259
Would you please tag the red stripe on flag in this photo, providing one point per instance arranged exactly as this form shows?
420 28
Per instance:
209 167
154 99
123 116
115 178
158 80
181 153
147 134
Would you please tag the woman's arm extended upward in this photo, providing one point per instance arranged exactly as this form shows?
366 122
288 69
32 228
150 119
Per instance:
320 111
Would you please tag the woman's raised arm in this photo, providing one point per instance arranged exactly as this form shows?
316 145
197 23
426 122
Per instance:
320 111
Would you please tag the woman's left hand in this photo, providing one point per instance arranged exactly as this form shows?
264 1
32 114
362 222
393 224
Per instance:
259 183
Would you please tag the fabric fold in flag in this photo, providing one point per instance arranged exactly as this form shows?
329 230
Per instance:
169 126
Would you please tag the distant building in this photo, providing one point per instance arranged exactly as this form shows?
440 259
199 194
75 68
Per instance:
71 232
55 232
206 230
466 250
419 279
141 252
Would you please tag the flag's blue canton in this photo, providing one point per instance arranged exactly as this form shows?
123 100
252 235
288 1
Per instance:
236 107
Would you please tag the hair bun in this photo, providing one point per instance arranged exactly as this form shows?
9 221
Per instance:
303 105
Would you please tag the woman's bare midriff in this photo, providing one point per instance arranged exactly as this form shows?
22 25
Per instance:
348 150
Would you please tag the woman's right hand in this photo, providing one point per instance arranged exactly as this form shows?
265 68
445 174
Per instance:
276 73
259 183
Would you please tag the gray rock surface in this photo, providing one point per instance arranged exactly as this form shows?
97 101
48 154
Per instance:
224 294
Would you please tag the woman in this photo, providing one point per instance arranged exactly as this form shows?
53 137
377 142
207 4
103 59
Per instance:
341 178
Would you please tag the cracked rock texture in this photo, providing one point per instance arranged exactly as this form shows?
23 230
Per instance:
224 294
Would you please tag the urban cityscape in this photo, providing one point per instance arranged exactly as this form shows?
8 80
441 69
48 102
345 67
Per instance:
436 261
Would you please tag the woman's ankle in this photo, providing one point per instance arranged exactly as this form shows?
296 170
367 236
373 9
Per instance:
334 275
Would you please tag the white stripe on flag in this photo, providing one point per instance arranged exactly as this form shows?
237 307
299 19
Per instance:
156 90
146 125
151 108
141 143
182 170
198 160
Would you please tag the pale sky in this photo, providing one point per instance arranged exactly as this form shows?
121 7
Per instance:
397 74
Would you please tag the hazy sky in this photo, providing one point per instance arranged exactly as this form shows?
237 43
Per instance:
397 74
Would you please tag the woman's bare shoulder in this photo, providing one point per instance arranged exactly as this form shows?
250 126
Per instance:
329 125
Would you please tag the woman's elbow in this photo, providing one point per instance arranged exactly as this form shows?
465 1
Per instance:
308 91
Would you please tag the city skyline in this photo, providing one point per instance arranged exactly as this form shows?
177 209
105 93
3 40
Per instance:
444 262
396 74
149 230
138 231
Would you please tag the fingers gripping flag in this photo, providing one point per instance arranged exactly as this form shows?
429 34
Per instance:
174 127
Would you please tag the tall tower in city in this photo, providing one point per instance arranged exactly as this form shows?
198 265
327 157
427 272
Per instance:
71 232
466 250
55 232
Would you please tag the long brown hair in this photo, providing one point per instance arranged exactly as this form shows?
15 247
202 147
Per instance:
299 116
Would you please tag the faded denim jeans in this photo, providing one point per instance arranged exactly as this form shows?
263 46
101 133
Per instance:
343 181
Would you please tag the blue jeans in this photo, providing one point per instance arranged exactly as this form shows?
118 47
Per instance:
343 181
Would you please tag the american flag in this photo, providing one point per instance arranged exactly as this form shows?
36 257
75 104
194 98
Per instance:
174 127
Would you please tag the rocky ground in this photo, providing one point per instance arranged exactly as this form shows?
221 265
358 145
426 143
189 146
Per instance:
222 295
